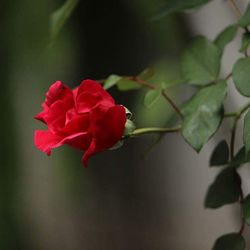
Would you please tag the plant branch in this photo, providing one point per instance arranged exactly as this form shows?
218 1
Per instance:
228 76
235 8
243 109
177 110
143 131
243 222
233 134
237 114
237 12
163 93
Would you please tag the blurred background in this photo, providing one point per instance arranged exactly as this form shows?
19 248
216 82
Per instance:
131 198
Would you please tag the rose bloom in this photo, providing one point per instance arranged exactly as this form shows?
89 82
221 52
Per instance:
86 118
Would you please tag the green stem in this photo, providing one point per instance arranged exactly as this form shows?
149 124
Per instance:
163 93
244 109
232 114
237 11
239 113
143 131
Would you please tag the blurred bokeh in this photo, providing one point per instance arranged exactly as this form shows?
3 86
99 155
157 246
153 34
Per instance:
131 198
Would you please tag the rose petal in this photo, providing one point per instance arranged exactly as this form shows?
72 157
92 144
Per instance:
46 140
40 116
87 100
90 151
56 115
78 123
91 93
107 129
81 141
58 91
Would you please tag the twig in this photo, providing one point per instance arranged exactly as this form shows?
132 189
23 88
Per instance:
235 8
228 76
163 93
239 113
150 86
143 131
233 134
237 12
237 116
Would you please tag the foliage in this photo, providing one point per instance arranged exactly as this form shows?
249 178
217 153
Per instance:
59 17
201 62
201 116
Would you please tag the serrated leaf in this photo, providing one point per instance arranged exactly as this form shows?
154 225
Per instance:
178 5
60 16
240 75
246 132
232 241
245 42
220 155
246 209
240 158
203 114
245 19
151 97
200 62
111 81
224 190
226 36
125 84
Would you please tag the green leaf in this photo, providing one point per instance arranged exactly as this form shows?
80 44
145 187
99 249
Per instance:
245 19
203 114
151 97
240 158
246 132
224 190
126 84
220 155
226 36
232 241
246 209
200 63
111 81
245 42
146 74
241 71
60 16
178 5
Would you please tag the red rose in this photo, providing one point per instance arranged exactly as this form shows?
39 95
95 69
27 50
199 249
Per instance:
86 118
